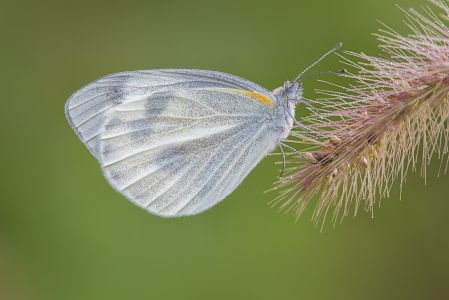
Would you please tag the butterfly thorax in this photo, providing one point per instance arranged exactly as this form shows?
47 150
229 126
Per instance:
288 96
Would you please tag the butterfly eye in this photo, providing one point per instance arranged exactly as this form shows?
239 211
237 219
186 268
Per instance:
293 92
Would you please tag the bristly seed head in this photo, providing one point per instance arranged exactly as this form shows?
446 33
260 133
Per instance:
373 130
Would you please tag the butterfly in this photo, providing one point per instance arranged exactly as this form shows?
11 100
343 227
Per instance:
178 141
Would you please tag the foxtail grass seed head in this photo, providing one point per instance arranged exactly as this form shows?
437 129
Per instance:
393 116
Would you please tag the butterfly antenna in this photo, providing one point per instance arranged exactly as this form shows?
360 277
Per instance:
300 76
338 72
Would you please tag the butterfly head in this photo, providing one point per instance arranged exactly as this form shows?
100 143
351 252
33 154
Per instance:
293 91
290 93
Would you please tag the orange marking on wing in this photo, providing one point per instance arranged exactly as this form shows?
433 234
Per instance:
259 97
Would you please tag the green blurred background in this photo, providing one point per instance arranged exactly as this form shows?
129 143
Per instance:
65 234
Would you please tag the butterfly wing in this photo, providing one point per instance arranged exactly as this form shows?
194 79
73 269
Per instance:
87 108
174 142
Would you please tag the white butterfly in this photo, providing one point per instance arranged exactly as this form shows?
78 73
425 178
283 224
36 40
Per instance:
176 142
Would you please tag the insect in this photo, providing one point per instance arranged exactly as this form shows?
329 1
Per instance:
178 141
